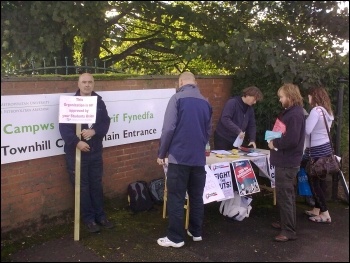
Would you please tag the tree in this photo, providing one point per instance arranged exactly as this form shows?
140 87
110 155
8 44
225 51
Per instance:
159 37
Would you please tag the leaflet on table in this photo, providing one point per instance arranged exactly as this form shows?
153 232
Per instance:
221 152
255 154
222 172
245 177
212 191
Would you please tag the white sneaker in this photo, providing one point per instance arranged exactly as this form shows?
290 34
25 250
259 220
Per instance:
194 238
165 242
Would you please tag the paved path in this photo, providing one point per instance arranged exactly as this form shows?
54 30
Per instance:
251 240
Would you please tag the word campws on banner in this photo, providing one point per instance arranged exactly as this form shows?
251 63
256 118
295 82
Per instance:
77 109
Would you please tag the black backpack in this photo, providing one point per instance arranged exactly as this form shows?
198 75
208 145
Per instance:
156 189
139 197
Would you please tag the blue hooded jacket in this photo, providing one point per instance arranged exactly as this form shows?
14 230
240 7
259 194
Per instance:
186 128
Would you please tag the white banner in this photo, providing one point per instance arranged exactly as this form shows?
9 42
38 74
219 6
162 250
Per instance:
29 123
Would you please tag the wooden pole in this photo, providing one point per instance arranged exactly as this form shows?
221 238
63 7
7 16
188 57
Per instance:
77 188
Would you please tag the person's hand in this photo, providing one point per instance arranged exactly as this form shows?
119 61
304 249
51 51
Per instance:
83 146
270 144
241 135
160 161
252 144
87 133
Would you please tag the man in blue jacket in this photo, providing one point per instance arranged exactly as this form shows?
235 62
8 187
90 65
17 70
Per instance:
237 120
186 130
90 145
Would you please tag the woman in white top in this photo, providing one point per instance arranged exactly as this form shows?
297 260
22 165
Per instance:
318 146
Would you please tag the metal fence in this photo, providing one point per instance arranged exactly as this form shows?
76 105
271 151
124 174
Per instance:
58 69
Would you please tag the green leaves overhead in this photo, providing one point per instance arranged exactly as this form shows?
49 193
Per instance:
167 37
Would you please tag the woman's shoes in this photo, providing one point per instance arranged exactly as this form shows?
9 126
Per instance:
313 212
309 213
319 219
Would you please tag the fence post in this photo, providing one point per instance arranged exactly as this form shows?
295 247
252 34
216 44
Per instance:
340 94
55 65
104 67
44 66
95 59
66 58
85 61
33 66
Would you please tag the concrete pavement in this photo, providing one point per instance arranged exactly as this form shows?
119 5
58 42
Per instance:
251 240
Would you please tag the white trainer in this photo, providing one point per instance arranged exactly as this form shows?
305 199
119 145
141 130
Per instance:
165 242
194 238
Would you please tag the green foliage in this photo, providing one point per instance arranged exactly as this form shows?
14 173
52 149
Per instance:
156 37
262 43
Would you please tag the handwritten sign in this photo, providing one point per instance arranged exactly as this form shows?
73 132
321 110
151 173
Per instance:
77 109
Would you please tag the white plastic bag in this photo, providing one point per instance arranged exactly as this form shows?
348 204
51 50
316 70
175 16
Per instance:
236 208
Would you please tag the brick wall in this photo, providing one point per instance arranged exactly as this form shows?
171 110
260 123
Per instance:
37 192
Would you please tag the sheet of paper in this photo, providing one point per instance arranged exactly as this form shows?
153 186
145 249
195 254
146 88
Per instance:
270 135
238 142
279 126
221 152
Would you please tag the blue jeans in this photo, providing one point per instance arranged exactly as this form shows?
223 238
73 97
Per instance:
179 179
91 191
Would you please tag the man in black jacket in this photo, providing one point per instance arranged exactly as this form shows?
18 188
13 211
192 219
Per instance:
90 145
237 120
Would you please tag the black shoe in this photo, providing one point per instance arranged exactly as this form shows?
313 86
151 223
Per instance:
106 223
92 227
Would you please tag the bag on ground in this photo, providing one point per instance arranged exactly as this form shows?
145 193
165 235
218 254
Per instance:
156 189
303 183
236 208
139 197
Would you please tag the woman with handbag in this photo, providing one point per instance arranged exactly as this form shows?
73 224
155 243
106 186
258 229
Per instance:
318 145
